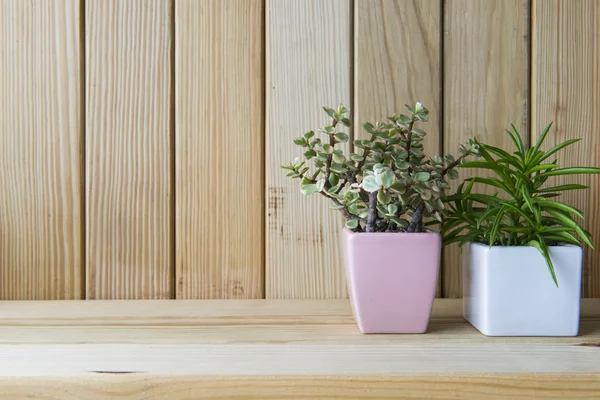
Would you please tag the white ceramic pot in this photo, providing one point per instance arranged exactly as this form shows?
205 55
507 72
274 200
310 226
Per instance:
508 290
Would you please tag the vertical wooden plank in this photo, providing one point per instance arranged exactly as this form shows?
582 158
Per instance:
128 149
220 148
566 90
397 62
308 66
40 150
486 84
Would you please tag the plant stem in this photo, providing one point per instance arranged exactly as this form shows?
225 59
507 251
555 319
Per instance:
344 210
417 219
455 163
364 156
330 156
372 218
341 186
409 143
352 179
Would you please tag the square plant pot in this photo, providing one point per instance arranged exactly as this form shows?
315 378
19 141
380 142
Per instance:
392 279
508 290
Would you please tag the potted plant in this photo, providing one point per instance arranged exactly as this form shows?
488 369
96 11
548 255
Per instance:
388 192
522 258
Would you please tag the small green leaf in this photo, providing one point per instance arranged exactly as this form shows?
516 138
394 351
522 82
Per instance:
338 169
422 176
309 135
384 198
333 179
401 154
402 165
308 189
329 129
392 209
310 154
352 224
404 118
453 174
301 142
329 111
346 122
320 185
398 187
341 137
327 148
426 194
356 158
422 116
400 222
339 158
370 184
449 158
387 179
369 128
439 205
322 157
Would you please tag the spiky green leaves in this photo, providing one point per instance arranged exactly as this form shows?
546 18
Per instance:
521 214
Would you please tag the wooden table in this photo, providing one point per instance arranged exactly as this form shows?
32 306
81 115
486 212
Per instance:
277 349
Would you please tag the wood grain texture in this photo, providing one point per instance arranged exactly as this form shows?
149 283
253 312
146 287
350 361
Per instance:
486 85
308 67
566 90
397 62
176 350
83 360
128 149
242 322
41 231
220 149
475 387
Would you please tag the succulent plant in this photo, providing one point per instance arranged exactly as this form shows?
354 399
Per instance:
524 211
387 184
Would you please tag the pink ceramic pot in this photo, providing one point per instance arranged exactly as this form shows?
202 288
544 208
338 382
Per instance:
392 279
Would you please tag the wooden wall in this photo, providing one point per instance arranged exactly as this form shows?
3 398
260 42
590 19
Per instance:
141 140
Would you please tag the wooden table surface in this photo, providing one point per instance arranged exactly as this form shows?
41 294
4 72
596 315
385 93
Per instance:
277 349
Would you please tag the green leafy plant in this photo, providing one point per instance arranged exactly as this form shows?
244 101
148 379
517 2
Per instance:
388 184
524 211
